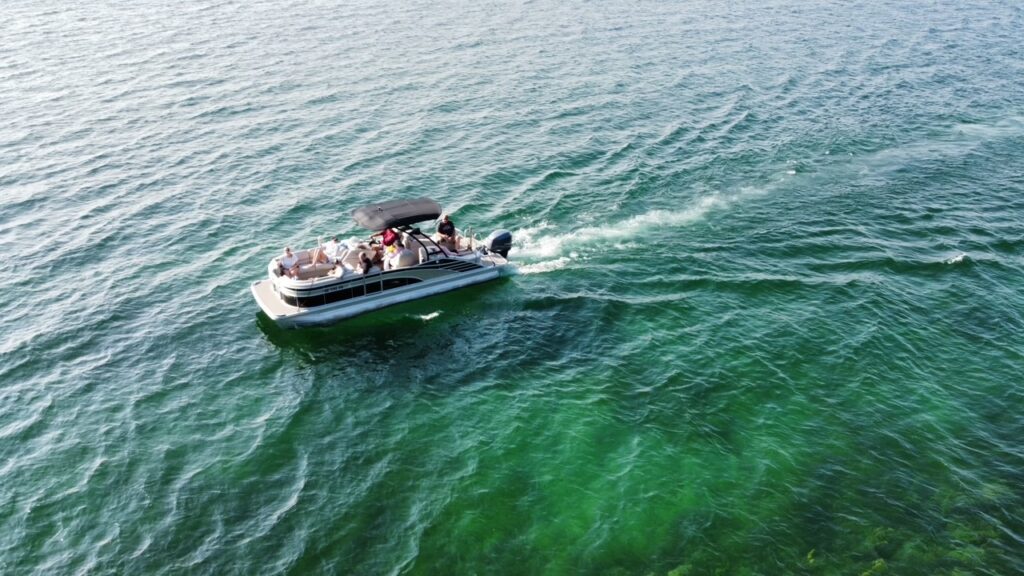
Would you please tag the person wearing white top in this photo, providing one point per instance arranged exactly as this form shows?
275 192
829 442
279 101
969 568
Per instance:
335 248
289 263
323 254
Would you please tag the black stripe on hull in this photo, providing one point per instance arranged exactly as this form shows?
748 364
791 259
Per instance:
374 283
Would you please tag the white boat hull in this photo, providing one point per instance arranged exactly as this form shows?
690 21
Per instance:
288 316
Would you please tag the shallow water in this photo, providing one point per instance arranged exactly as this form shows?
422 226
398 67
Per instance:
766 316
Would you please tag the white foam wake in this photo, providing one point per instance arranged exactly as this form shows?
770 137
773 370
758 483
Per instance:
544 266
541 249
956 259
536 242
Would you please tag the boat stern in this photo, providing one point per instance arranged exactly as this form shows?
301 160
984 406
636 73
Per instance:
270 302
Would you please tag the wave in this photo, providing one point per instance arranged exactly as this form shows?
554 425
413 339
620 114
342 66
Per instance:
956 259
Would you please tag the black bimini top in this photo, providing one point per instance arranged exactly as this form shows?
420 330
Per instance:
396 213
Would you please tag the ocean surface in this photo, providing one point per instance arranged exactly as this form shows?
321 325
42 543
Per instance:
766 315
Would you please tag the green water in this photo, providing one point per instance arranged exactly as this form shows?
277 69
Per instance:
766 316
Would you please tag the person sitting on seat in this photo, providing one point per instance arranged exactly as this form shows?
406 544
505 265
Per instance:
402 257
446 232
365 263
391 254
289 263
319 256
333 249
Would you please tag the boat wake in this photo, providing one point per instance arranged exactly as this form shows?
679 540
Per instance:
544 266
541 249
537 243
959 258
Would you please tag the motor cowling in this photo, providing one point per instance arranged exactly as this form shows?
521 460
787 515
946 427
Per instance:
499 242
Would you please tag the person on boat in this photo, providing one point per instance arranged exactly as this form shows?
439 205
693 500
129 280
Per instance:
289 263
401 257
333 249
446 233
365 263
391 255
319 256
387 237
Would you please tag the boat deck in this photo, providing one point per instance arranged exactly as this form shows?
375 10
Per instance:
270 301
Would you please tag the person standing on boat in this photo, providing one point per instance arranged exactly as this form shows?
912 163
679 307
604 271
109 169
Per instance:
390 240
387 236
446 230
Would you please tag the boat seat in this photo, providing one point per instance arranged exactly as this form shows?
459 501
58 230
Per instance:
351 260
307 271
357 270
402 259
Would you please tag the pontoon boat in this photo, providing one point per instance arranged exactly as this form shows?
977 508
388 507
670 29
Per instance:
336 287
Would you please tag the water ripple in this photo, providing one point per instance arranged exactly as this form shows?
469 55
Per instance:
765 289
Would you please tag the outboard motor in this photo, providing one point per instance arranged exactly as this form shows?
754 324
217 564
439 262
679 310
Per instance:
499 242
